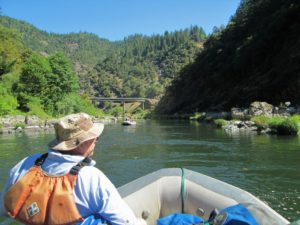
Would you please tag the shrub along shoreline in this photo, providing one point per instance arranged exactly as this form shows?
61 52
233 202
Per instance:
10 124
280 125
260 117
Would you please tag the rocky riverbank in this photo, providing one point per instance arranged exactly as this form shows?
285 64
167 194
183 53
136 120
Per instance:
260 117
20 123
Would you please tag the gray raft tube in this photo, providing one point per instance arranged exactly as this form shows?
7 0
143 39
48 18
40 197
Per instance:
176 190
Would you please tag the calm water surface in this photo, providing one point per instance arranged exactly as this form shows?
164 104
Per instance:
266 166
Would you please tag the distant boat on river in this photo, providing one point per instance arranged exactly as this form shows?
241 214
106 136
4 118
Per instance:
128 122
175 190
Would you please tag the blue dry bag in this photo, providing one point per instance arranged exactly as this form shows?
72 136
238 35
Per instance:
233 215
93 220
179 219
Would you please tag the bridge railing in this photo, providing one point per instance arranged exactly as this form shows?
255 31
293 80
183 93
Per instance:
102 99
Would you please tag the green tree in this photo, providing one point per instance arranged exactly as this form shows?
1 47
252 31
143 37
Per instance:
5 65
49 79
11 50
61 81
254 58
151 60
63 76
33 80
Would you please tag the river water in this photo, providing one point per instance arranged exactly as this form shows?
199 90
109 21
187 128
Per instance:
267 166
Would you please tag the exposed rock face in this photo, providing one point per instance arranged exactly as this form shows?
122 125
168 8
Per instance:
18 124
8 124
236 126
33 121
285 109
264 109
261 109
10 121
239 114
151 103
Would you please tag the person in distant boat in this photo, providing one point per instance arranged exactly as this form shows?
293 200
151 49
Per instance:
62 186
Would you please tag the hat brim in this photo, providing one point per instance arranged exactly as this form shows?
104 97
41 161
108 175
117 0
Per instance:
71 144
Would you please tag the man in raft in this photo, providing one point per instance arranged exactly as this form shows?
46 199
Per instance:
62 186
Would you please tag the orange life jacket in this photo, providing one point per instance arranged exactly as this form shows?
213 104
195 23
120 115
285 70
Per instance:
39 198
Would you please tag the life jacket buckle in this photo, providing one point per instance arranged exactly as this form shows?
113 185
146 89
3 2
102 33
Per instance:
33 209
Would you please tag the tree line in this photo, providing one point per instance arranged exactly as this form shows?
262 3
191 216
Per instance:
31 83
254 58
53 74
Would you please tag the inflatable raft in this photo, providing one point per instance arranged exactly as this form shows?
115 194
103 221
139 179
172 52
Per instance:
128 123
176 190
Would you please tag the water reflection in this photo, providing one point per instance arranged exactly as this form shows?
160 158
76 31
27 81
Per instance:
267 166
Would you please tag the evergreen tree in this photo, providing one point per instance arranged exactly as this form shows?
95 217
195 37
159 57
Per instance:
254 58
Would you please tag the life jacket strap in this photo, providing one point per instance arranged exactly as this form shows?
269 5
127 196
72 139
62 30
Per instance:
75 169
41 160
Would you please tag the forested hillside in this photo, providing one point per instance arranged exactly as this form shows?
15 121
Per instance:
138 66
33 84
83 47
143 66
255 57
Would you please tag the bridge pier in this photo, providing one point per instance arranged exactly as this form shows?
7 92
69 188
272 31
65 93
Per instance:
123 110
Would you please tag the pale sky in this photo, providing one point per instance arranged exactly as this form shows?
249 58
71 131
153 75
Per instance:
116 19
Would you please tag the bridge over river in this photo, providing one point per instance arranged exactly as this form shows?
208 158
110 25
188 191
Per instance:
122 100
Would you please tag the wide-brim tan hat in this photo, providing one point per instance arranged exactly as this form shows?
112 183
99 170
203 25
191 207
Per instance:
73 130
